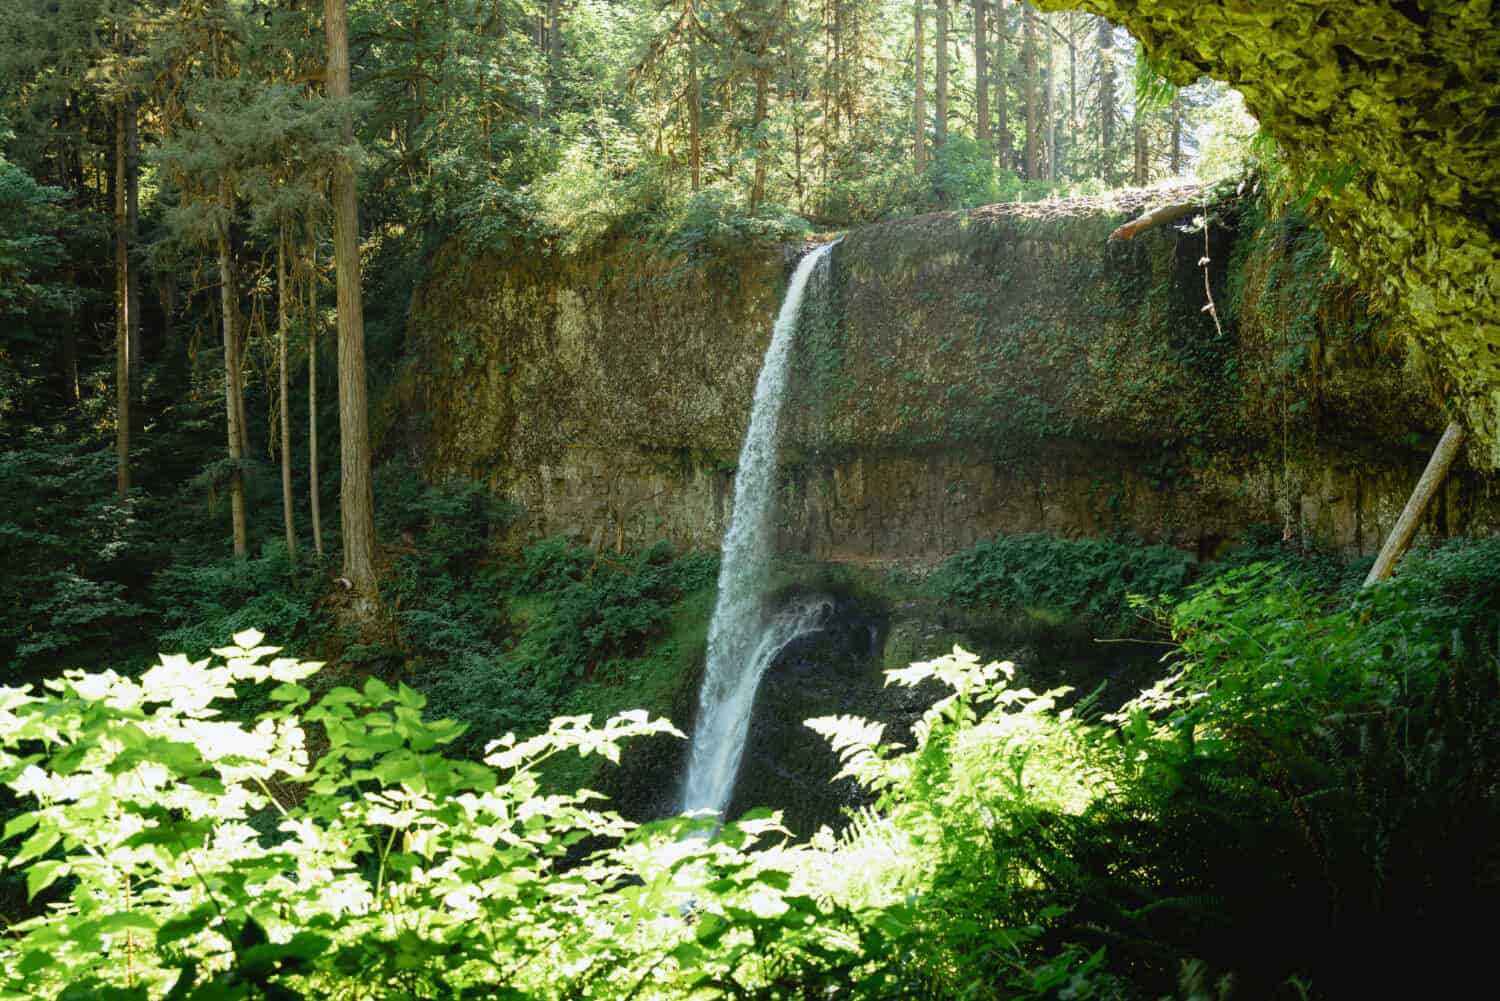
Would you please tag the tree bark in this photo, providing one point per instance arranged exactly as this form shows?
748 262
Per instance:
312 386
1072 92
233 377
1156 217
133 273
1411 516
762 148
1049 117
554 51
127 297
1004 148
1141 175
284 300
356 496
940 89
1177 135
1106 42
695 100
919 111
981 76
123 312
1033 151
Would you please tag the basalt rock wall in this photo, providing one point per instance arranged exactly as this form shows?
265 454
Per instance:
958 375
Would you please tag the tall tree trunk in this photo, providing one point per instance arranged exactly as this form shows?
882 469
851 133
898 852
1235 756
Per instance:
1072 91
69 335
233 376
838 69
357 500
416 113
828 135
762 147
940 89
798 100
127 299
554 51
284 300
919 110
1049 116
1004 148
695 100
133 275
1033 152
313 322
1106 41
123 311
1177 135
1141 175
981 76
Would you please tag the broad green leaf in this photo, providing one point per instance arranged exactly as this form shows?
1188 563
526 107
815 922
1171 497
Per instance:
42 874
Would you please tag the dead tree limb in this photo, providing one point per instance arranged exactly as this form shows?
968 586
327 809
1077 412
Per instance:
1156 217
1416 505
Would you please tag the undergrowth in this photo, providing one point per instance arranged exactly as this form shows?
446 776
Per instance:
1311 784
1105 582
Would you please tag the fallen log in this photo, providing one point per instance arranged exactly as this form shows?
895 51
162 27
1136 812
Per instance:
1416 505
1159 216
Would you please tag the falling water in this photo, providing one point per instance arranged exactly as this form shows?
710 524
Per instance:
740 644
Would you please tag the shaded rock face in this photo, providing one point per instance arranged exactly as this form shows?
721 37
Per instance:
1003 370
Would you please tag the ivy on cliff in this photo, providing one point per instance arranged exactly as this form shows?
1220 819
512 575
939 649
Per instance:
1385 112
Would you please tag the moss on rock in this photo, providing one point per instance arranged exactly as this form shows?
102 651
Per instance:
1387 113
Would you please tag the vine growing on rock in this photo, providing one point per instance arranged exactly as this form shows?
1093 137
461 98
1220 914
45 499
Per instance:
1380 109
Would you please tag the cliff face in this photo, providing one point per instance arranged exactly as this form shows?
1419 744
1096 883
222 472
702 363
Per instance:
962 375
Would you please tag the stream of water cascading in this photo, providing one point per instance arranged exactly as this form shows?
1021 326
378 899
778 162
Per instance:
740 644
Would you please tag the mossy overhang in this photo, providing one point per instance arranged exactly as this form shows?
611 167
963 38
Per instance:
1390 113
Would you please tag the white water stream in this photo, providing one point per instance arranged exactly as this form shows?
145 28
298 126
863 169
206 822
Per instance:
741 644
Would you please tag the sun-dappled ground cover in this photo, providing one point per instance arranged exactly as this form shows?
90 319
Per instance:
1312 781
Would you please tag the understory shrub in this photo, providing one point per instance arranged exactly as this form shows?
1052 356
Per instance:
71 547
1304 806
1312 786
596 620
204 603
187 857
502 645
1092 578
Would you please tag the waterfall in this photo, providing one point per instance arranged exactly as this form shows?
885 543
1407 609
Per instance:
741 645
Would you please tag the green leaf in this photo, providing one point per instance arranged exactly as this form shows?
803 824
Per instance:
378 691
20 824
126 920
67 761
37 845
291 692
187 925
42 875
775 878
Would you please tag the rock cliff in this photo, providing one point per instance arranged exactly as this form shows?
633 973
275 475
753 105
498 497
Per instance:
965 374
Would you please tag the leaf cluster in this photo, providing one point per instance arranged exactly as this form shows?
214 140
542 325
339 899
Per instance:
186 857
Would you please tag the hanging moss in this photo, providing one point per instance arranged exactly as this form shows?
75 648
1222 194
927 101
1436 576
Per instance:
1388 111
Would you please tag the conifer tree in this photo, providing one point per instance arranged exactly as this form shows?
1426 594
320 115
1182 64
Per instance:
919 112
356 497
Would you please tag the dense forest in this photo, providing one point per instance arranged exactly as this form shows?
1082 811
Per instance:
290 709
